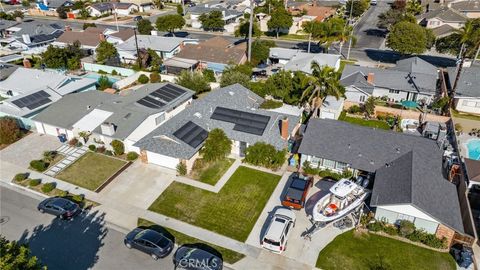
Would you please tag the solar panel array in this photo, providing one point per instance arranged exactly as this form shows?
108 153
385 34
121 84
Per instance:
161 96
244 121
191 134
33 101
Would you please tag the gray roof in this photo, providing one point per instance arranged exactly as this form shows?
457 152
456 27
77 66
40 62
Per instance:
237 97
5 24
34 28
8 107
71 108
396 79
468 84
414 171
157 43
445 14
302 61
416 65
470 5
6 70
58 3
443 30
282 53
359 80
228 13
105 6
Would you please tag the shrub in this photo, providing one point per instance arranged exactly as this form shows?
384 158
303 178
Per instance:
406 228
355 109
329 174
73 142
428 239
209 75
62 193
458 127
46 188
271 104
376 226
307 168
217 146
181 169
101 72
199 164
391 230
143 79
101 149
19 177
34 182
49 156
79 144
265 155
108 153
78 198
132 156
9 130
92 147
39 165
114 72
118 147
155 77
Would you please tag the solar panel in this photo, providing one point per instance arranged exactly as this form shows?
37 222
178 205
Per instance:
151 102
244 121
161 96
33 101
191 134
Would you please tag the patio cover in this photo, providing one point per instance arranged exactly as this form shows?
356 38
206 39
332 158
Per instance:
92 120
473 169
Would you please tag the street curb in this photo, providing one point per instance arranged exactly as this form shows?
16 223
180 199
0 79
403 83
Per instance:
27 190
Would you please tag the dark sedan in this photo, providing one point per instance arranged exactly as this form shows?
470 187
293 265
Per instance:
149 241
192 258
59 207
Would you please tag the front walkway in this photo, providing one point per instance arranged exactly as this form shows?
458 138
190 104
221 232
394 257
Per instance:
70 153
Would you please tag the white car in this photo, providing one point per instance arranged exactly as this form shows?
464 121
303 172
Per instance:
280 227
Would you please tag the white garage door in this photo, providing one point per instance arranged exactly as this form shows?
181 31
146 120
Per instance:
327 115
162 160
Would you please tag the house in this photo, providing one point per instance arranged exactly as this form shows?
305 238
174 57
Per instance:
469 8
297 60
143 5
215 53
107 8
229 16
444 17
54 4
408 174
31 36
117 37
166 47
4 25
297 23
29 91
467 95
107 117
331 108
472 169
89 38
411 79
176 65
234 109
320 13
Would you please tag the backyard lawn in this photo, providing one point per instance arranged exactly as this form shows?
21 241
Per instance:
363 122
232 211
369 251
91 170
211 173
228 255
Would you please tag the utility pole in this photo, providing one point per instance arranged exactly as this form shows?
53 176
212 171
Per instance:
250 30
309 41
349 21
116 15
476 55
139 61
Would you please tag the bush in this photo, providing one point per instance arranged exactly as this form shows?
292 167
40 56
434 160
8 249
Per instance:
217 146
73 142
92 147
199 164
406 228
143 79
19 177
49 156
458 127
376 226
271 104
155 77
428 239
9 130
101 149
118 147
39 165
132 156
114 72
181 169
209 75
34 182
79 144
265 155
355 109
46 188
336 176
108 153
102 72
78 198
307 168
62 193
391 230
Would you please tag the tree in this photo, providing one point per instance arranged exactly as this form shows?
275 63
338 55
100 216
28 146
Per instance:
394 16
16 256
280 19
407 38
263 154
324 81
170 22
25 3
105 51
453 43
261 51
9 130
399 4
414 7
63 58
244 68
154 60
369 106
359 7
180 9
233 77
243 28
17 14
212 21
194 81
87 25
209 75
84 13
144 27
217 146
118 147
62 12
104 83
328 32
279 84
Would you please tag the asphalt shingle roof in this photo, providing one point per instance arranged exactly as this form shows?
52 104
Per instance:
216 50
157 43
358 79
416 65
408 168
469 82
445 14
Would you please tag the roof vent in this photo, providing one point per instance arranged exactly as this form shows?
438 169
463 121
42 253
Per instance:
372 162
231 93
198 115
398 150
89 107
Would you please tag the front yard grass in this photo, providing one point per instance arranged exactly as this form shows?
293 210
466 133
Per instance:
228 255
211 173
91 170
369 251
363 122
232 211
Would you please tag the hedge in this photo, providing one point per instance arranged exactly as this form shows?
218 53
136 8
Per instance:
19 177
39 165
132 156
34 182
46 188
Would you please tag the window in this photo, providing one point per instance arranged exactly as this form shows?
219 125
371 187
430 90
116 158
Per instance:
362 98
406 217
160 119
341 166
394 91
315 161
329 163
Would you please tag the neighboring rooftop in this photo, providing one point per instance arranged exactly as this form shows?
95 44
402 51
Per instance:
468 84
216 50
89 37
157 43
408 168
106 6
213 111
6 70
466 6
319 12
303 61
444 14
359 80
34 28
473 169
205 8
124 34
416 65
24 80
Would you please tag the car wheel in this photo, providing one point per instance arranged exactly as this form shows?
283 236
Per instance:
41 210
128 245
155 257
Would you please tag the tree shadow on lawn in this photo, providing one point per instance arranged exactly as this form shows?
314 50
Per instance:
72 244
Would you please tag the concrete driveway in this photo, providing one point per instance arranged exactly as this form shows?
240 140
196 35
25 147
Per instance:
139 185
28 148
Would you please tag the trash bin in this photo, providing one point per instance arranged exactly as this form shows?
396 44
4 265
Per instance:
62 138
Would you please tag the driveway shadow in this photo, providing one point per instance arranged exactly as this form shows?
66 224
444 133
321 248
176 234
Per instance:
72 245
376 32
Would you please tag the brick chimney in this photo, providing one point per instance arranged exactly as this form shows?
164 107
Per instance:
284 128
371 77
101 37
26 63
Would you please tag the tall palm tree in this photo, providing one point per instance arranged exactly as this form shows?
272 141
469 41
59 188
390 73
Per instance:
324 81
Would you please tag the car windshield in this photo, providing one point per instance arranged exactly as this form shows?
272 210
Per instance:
163 242
280 220
188 254
140 234
271 242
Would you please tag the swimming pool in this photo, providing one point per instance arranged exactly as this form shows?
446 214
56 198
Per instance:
97 76
473 147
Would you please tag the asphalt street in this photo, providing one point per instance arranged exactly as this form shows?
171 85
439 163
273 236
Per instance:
367 33
83 243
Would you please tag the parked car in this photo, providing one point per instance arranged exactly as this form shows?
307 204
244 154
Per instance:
137 18
297 192
149 241
280 227
192 258
60 207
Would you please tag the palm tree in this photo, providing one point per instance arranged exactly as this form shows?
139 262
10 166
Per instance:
324 81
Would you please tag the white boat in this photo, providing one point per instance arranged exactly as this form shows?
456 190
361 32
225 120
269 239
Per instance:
344 197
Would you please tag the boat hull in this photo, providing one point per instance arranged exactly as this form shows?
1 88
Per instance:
319 216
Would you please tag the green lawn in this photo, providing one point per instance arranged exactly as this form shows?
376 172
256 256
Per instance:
91 170
211 173
370 251
228 255
362 122
458 114
231 212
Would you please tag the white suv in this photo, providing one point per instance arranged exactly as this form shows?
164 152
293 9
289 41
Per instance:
276 236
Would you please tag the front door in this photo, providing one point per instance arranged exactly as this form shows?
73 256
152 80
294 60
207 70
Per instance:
243 147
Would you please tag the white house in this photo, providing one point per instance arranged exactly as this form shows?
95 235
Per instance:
298 60
107 8
467 95
229 15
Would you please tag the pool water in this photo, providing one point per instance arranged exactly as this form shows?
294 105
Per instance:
473 147
96 76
